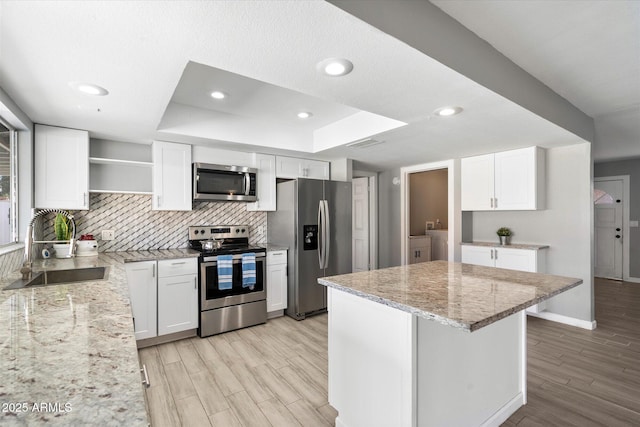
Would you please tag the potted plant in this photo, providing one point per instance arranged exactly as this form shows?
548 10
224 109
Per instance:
504 234
63 229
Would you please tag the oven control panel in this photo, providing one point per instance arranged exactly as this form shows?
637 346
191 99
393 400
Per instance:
203 232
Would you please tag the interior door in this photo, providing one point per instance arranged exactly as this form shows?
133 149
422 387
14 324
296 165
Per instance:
360 224
608 228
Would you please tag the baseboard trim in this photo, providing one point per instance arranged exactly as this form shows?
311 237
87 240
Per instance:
571 321
505 412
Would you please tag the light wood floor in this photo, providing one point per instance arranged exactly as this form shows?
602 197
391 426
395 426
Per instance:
276 374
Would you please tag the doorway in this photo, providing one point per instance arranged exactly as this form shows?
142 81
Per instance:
451 236
611 227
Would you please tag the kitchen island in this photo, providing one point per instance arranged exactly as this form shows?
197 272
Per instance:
68 353
431 344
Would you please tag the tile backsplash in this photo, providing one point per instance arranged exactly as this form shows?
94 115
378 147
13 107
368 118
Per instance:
137 227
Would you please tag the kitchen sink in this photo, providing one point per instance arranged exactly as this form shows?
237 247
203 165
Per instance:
56 277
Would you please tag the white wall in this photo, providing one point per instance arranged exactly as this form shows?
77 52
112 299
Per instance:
566 226
388 219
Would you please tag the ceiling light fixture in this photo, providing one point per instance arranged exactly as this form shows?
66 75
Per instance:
89 88
304 115
216 94
335 67
447 111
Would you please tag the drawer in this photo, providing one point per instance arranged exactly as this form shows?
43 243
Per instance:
177 267
276 257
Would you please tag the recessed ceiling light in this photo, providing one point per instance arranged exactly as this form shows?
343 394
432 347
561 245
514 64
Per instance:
335 67
216 94
447 111
89 88
304 115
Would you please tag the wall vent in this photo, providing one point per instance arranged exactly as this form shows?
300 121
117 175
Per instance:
364 143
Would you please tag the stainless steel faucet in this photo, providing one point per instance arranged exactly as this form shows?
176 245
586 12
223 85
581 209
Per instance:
28 240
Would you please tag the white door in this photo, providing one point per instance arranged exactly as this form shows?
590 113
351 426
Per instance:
608 228
477 183
478 255
360 224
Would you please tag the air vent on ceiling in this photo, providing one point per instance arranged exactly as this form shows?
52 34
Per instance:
364 143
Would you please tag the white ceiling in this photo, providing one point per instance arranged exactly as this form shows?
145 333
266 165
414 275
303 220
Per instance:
586 51
140 51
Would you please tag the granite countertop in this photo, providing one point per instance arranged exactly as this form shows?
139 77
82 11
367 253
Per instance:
532 247
72 347
463 296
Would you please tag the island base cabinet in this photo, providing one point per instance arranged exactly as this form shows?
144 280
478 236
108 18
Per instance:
389 367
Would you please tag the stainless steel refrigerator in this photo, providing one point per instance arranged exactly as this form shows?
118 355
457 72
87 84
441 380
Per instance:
313 220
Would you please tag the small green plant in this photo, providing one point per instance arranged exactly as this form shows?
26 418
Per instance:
504 231
62 227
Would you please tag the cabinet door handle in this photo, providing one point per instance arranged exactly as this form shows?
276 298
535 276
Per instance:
154 271
195 283
178 263
491 253
495 203
84 199
158 200
491 201
496 253
146 382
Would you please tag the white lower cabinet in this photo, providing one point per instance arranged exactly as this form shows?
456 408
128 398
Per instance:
532 260
166 302
177 295
276 281
143 292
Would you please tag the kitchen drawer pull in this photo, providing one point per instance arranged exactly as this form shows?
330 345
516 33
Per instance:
146 382
178 263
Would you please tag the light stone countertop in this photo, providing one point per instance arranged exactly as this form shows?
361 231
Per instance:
463 296
531 247
72 346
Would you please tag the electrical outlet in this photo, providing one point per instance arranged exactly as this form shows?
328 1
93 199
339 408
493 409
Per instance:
108 235
261 229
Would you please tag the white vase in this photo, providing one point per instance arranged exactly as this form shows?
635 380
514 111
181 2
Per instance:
62 250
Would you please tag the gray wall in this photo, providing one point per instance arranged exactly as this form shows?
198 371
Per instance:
429 199
632 168
566 225
388 219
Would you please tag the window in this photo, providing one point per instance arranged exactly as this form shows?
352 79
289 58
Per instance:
8 184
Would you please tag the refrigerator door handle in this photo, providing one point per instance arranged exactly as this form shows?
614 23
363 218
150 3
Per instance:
320 235
327 234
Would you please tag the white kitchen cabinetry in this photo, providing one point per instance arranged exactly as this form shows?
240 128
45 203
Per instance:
292 167
419 249
266 166
61 168
509 180
171 176
177 295
165 302
532 260
276 282
143 292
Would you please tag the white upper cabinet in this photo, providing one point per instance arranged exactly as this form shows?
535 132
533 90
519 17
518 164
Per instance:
292 167
509 180
266 166
171 176
61 168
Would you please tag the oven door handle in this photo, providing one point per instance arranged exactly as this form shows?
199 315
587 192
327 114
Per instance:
260 256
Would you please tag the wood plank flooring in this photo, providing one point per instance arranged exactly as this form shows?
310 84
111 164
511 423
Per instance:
276 374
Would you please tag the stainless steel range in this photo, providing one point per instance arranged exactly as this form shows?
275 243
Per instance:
226 301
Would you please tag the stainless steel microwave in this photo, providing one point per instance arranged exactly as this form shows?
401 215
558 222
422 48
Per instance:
226 183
